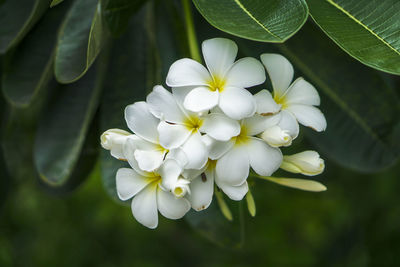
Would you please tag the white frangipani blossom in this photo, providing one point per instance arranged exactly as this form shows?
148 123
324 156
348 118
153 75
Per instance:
150 191
148 151
234 157
297 100
306 162
182 128
205 136
222 83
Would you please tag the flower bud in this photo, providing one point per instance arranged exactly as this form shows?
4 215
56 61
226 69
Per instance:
307 163
181 188
277 137
113 140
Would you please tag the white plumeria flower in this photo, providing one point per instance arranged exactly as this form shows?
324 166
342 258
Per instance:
147 150
180 128
307 163
223 84
297 101
235 156
150 190
113 140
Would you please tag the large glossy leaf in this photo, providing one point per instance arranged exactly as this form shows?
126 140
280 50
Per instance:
368 30
17 18
117 13
261 20
55 2
126 83
64 126
31 66
79 42
361 109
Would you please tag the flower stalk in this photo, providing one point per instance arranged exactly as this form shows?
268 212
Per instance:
190 31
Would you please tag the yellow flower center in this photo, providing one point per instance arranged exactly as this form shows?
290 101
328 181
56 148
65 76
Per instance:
217 83
242 138
280 100
193 123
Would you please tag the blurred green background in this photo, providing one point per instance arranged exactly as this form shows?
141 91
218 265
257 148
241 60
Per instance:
57 188
354 223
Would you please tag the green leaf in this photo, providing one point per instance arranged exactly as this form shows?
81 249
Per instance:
79 41
117 13
360 107
259 20
126 83
55 2
366 30
17 18
31 66
64 126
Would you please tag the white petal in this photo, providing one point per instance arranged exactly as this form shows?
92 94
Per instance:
265 104
245 72
172 135
309 116
180 93
256 124
280 72
144 206
217 148
187 72
149 160
264 159
219 55
196 152
202 190
129 149
302 92
237 103
233 167
141 121
201 99
170 206
178 155
234 192
169 172
129 183
164 106
220 127
289 123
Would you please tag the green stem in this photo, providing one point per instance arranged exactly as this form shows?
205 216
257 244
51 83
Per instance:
190 31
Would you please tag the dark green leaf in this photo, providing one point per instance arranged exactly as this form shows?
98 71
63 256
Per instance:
64 126
126 83
360 107
79 42
17 18
117 13
368 30
31 66
55 2
260 20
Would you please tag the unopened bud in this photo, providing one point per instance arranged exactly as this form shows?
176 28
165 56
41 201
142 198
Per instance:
277 137
114 140
307 163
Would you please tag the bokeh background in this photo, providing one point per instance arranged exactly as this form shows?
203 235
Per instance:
46 221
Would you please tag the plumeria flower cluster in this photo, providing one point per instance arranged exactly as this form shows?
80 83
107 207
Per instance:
206 133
